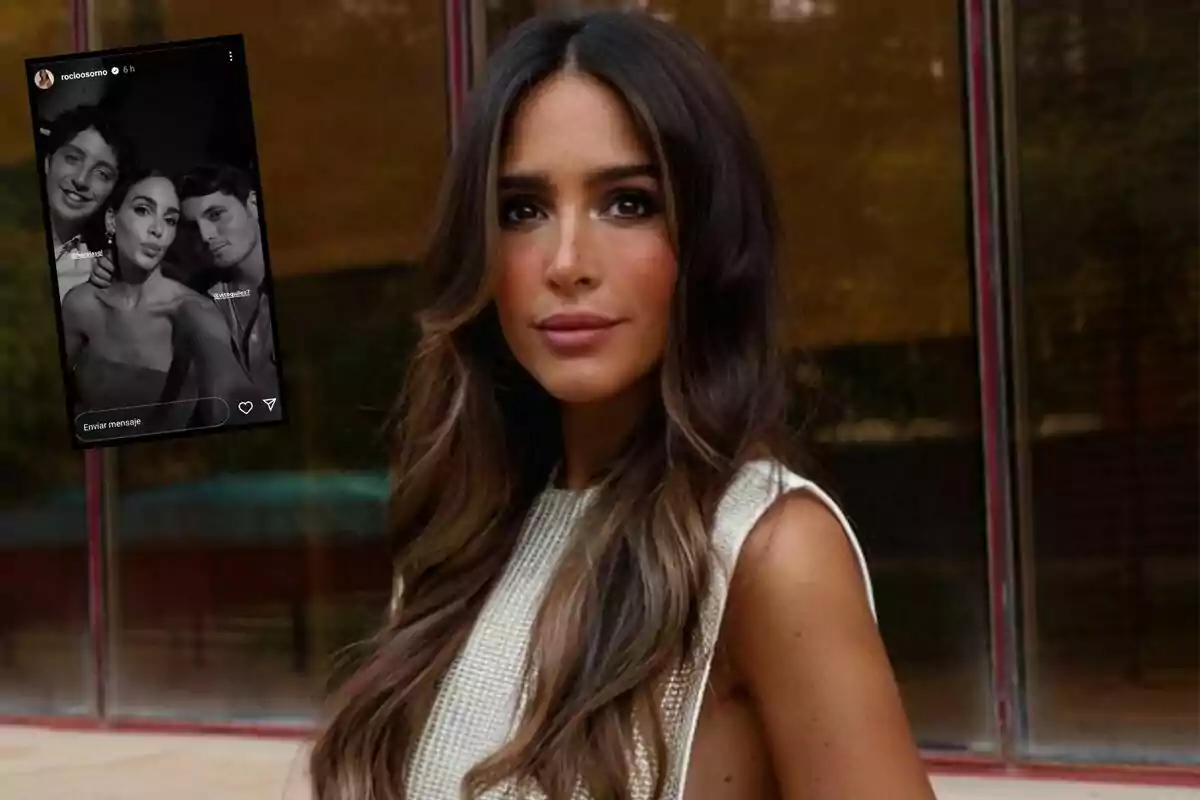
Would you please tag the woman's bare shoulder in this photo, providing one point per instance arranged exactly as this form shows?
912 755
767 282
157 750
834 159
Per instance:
803 644
82 300
169 291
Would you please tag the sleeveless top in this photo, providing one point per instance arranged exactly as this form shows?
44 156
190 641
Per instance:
104 384
479 698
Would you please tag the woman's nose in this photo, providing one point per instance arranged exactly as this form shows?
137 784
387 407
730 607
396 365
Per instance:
566 253
569 264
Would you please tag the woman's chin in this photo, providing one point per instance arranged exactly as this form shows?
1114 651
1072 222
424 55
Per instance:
579 390
142 263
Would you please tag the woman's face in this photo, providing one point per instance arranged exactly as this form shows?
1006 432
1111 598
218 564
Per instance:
145 224
586 267
80 176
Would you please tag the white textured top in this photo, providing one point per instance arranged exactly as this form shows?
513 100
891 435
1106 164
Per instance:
477 704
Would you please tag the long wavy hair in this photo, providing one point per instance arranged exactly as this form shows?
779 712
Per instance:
478 439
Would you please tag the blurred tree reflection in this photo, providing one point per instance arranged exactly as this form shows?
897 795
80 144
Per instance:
44 664
35 451
1108 133
1107 110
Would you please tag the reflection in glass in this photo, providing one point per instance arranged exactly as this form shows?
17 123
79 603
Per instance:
45 654
1109 310
242 564
859 110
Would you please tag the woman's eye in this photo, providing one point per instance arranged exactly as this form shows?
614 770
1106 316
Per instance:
632 205
141 211
519 212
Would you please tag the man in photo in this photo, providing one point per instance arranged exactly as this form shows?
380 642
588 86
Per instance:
223 205
87 152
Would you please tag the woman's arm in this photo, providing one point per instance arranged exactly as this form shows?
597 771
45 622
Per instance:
804 643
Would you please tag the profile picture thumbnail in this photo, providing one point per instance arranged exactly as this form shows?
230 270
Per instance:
44 79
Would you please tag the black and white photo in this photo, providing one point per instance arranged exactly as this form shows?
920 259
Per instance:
157 241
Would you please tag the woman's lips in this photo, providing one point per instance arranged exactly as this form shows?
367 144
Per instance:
575 334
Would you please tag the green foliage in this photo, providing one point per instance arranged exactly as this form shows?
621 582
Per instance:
35 449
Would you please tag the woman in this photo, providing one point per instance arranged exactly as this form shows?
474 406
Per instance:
609 585
147 340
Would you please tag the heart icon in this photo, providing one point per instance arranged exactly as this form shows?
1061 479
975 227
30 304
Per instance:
245 406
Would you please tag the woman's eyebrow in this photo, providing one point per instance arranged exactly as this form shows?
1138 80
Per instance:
150 200
540 180
610 174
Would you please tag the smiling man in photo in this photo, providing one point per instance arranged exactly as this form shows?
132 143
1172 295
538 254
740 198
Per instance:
87 152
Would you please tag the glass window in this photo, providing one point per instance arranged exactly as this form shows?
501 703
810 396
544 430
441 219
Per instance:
242 562
859 110
1108 310
45 655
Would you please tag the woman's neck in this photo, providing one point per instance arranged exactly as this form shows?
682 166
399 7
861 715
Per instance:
131 283
594 433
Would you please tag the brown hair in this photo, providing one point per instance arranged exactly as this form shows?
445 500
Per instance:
478 439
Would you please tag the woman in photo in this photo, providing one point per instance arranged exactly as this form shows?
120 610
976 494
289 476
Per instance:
610 583
147 340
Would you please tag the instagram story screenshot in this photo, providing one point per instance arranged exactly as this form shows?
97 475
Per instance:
156 241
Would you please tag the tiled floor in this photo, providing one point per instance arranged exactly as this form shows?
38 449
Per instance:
38 764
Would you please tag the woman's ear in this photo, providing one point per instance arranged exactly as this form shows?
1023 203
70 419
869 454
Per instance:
110 222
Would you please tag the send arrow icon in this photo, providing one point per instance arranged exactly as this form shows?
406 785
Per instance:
270 403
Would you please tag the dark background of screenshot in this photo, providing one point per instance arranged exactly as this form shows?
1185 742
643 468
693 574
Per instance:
179 106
